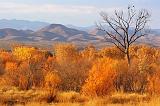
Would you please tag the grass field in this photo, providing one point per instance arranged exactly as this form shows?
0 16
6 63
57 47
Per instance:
15 97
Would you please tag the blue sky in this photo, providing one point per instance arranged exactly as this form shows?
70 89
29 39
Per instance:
76 12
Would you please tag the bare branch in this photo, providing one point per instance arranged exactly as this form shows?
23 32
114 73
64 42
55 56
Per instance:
122 24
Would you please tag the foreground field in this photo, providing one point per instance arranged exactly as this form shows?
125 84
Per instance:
15 97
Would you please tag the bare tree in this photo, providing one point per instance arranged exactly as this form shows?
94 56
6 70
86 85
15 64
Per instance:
124 28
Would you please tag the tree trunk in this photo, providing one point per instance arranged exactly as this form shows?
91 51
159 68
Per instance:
128 57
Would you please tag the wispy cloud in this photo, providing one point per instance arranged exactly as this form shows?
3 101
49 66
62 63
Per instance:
9 7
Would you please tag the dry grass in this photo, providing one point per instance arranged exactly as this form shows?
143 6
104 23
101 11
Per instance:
98 102
128 98
13 96
154 102
70 97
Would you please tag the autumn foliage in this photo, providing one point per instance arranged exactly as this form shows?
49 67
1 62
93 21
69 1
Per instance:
91 71
23 53
101 76
71 66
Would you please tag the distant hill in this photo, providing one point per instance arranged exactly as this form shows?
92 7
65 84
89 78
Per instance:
22 24
58 32
51 33
61 33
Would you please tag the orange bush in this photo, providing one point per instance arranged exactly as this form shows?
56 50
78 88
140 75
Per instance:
133 78
65 52
52 80
5 56
153 85
10 76
26 77
89 53
137 77
19 75
101 76
11 66
71 67
111 52
94 72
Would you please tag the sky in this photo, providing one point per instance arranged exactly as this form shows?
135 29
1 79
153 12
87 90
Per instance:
76 12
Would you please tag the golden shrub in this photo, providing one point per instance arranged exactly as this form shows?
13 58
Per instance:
101 76
22 75
99 71
153 85
89 53
111 52
65 52
23 53
70 66
52 80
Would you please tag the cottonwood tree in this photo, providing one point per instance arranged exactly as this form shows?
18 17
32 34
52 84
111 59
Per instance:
124 28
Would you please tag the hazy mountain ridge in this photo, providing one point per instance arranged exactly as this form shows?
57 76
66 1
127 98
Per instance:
58 32
22 24
53 32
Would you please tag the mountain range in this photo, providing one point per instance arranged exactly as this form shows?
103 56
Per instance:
41 32
22 24
49 34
